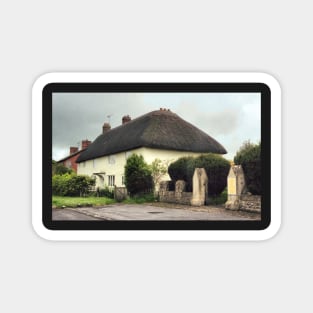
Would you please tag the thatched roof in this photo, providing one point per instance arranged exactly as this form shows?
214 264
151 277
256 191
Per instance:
160 129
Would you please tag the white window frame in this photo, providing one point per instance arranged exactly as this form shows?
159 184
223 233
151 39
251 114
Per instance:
111 180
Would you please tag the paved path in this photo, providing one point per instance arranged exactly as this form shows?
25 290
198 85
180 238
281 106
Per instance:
70 215
148 212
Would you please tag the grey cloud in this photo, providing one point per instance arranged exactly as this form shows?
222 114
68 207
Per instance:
215 123
230 119
81 116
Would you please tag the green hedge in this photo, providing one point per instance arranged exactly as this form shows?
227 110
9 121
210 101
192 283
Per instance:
71 184
216 167
249 157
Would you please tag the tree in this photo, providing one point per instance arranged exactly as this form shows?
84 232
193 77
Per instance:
249 157
138 178
59 169
158 170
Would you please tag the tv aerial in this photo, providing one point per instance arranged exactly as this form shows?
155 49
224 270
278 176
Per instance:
109 118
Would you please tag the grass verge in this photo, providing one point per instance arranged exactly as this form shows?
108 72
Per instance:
74 202
140 199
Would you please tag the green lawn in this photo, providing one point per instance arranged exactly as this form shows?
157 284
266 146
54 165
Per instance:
73 202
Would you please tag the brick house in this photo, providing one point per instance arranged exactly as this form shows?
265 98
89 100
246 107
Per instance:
70 160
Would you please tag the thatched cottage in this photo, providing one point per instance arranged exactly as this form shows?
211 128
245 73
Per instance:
159 134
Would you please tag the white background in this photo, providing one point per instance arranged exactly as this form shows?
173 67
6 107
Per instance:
41 36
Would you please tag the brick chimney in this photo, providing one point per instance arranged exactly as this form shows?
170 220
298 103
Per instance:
126 119
85 143
105 128
73 150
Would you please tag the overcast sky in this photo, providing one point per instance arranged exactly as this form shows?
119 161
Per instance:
230 118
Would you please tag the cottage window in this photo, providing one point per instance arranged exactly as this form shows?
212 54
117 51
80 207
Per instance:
111 181
94 163
111 159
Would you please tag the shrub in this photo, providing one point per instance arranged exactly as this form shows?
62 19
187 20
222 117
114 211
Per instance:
71 184
249 157
216 168
138 177
219 199
105 192
178 170
59 169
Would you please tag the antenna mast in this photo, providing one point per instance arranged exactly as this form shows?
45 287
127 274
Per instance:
109 118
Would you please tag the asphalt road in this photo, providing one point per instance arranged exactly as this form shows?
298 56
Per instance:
70 215
147 212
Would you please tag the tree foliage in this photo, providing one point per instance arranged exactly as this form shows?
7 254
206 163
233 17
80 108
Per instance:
249 157
216 168
158 170
178 169
138 178
59 169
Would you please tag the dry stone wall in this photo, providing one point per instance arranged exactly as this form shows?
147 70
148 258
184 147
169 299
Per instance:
238 199
197 197
250 203
178 196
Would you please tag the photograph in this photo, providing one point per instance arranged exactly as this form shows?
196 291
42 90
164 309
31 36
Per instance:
156 156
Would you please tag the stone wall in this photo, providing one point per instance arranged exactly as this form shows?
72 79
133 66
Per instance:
198 196
238 198
179 196
174 197
250 203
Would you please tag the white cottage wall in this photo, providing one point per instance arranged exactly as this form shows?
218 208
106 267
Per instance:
113 165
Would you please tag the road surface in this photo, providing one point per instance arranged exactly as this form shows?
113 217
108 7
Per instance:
140 212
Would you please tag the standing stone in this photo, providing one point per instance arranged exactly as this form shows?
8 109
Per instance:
236 186
180 186
199 187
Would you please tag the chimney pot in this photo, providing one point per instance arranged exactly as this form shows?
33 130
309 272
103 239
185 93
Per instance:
85 143
126 119
73 150
105 128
